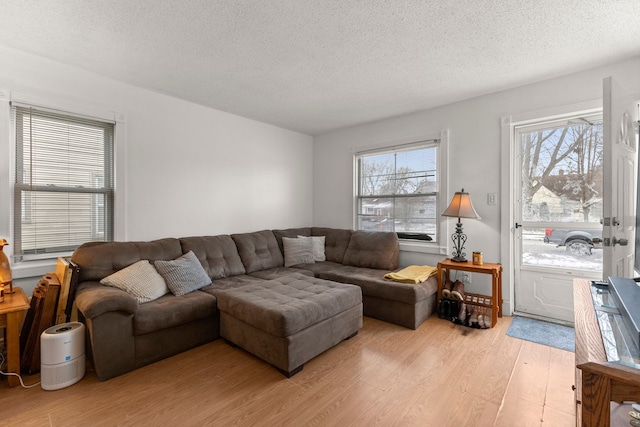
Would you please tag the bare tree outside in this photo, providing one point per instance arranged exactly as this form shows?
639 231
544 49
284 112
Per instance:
586 181
567 162
375 176
562 193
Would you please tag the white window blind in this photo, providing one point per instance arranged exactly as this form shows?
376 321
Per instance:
398 190
63 193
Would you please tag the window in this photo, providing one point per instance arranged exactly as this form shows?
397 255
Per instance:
398 190
63 194
560 191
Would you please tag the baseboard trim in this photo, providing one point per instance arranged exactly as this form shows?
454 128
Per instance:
543 318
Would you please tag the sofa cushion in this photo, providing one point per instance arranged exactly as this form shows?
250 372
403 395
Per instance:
373 249
373 283
297 251
97 260
290 304
278 272
140 280
232 282
336 242
258 250
217 254
170 310
290 232
320 267
184 274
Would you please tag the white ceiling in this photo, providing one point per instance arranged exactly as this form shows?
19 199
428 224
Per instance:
319 65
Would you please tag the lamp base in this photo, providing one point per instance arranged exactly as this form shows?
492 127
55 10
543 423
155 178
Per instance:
8 287
459 259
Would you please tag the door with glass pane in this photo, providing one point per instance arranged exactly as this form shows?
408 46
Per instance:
558 217
621 153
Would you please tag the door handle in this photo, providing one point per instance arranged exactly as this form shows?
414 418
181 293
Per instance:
518 225
621 242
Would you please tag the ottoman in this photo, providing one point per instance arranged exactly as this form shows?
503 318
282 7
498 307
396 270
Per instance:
290 320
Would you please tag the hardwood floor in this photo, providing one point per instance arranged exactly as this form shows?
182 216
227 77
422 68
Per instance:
438 375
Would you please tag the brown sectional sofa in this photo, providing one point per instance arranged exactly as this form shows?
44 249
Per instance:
123 335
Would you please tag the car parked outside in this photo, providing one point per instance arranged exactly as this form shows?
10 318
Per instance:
578 242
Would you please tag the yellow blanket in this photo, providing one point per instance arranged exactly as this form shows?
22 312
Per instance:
412 274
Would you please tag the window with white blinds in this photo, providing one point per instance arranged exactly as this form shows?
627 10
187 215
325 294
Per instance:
63 193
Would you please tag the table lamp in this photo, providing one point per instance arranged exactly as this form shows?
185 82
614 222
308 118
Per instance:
5 269
460 207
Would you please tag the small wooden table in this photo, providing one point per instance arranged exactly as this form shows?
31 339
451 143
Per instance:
486 268
12 311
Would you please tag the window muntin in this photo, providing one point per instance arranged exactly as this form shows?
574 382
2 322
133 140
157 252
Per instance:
63 193
398 191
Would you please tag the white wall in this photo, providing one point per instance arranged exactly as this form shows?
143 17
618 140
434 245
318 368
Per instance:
190 170
474 153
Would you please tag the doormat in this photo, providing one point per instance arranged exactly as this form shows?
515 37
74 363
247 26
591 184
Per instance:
551 334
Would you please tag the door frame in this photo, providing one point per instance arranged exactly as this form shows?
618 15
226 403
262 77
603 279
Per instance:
623 155
507 184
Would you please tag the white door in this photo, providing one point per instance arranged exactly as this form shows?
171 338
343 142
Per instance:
558 187
620 133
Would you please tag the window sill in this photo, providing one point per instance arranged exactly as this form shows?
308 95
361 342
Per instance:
422 247
33 268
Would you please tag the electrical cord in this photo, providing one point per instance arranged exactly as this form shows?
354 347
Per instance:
13 374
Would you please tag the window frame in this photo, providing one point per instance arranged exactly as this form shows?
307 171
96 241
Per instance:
40 265
508 195
441 140
50 187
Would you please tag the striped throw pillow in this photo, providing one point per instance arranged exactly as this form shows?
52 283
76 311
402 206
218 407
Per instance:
184 274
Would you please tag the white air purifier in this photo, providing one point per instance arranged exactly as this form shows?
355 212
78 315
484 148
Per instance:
62 355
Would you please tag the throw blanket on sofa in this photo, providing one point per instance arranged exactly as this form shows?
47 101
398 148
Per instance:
412 274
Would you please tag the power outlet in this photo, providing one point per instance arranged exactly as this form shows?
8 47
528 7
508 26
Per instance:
466 278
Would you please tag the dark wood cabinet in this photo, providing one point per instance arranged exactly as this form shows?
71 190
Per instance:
599 382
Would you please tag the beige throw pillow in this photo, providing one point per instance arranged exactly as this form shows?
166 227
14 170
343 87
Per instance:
140 280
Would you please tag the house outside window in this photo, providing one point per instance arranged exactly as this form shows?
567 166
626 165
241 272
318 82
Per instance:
64 192
398 190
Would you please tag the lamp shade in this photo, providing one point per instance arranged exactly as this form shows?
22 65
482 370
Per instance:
461 206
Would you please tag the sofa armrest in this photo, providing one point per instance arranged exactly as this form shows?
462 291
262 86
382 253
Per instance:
94 299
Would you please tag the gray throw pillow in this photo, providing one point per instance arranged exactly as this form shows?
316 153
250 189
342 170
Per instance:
318 247
297 251
184 274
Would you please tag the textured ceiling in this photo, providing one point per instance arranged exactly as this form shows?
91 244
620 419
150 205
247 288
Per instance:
315 66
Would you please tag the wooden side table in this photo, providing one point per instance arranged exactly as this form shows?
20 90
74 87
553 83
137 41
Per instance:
495 298
12 311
